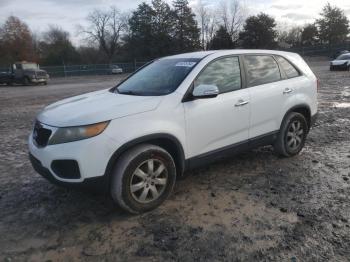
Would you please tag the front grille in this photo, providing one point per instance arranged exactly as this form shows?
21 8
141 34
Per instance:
41 74
41 135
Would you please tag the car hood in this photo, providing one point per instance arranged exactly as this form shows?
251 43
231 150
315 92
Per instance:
95 107
339 62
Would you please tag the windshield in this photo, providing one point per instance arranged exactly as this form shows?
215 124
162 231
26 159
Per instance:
343 57
30 66
160 77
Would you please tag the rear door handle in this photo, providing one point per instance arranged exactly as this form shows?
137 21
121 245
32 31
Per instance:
241 102
287 90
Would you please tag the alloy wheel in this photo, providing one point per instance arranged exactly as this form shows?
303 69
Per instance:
295 135
148 181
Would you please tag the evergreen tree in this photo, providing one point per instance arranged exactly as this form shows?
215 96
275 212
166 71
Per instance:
162 28
186 29
140 37
309 35
151 31
221 40
333 26
259 32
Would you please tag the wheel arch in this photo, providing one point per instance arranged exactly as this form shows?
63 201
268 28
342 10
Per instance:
169 142
303 109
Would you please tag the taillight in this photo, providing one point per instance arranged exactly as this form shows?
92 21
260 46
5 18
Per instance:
318 84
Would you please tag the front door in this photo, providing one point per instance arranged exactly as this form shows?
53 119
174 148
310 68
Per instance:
215 123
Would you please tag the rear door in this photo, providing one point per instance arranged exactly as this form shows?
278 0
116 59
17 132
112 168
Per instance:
269 94
18 72
214 123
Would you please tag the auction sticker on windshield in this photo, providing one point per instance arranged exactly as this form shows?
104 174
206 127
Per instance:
186 64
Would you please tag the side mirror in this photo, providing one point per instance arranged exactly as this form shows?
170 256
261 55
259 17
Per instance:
205 91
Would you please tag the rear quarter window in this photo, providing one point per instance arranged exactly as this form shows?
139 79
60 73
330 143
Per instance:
287 67
261 69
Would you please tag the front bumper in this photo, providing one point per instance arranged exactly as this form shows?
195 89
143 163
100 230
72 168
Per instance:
91 155
339 67
99 183
38 80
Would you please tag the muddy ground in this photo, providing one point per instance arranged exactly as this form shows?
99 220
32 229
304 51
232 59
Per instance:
252 207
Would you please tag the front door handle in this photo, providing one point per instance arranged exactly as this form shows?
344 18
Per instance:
287 90
241 102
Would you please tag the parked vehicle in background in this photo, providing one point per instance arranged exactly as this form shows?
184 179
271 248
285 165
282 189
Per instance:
25 73
176 113
339 52
342 62
116 69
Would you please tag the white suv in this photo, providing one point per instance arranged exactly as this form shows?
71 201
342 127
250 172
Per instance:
174 114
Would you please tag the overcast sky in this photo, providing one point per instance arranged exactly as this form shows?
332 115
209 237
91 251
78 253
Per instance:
38 14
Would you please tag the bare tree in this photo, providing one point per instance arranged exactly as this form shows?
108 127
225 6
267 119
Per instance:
208 23
232 16
106 29
55 34
289 36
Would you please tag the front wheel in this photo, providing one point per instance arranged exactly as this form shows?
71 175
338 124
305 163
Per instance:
143 178
292 135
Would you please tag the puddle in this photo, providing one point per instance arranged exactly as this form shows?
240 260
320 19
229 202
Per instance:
341 105
346 92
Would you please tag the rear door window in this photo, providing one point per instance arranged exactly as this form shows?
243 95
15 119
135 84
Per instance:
261 69
287 67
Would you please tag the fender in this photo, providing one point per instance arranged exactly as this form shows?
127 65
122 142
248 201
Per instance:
300 108
157 139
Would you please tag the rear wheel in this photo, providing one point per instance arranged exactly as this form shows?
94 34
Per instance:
143 178
292 135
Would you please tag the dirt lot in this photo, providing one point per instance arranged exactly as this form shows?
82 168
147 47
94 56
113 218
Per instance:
255 206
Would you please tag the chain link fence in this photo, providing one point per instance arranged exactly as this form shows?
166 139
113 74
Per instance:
319 50
106 69
93 69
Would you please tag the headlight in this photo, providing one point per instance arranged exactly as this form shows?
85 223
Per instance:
70 134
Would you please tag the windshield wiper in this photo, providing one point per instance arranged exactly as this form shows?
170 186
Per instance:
129 92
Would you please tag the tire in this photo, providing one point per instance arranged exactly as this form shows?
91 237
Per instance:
131 171
292 135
